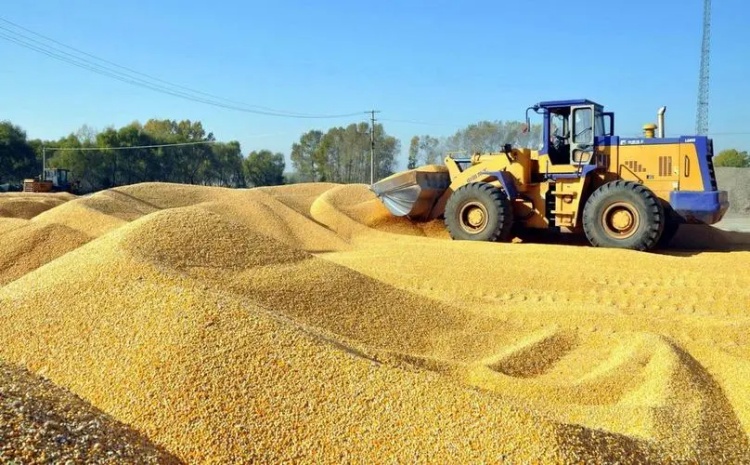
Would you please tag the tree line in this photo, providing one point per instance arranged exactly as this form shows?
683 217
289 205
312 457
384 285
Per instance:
95 165
481 137
339 154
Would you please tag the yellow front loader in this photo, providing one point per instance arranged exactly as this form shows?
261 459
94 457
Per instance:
628 193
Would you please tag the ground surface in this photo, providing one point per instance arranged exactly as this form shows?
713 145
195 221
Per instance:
303 323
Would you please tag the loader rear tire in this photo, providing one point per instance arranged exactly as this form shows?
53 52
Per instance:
623 214
479 212
671 225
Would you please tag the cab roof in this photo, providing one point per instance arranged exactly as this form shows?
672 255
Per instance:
567 103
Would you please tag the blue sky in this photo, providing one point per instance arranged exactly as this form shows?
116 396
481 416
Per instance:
448 64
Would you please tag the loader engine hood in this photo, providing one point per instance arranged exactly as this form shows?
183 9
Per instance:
413 193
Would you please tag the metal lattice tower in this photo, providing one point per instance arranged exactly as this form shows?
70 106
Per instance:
701 119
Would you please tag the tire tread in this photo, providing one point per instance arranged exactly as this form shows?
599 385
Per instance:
655 218
501 231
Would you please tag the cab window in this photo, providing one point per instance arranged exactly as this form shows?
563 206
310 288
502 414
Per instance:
582 125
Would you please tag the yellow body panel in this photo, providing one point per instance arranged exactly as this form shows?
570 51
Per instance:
568 194
663 168
531 207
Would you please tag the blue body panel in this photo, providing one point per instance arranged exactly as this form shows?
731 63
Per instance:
699 207
567 103
506 179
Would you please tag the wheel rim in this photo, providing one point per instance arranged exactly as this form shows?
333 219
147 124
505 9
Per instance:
473 217
621 220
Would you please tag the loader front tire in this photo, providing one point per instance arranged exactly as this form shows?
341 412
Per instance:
623 214
479 212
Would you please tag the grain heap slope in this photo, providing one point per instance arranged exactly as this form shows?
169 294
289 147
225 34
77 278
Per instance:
27 206
301 323
212 376
42 423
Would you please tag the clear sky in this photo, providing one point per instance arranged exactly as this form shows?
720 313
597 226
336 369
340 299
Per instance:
448 64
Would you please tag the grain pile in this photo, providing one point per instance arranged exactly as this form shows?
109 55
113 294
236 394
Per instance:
28 246
301 323
27 205
42 423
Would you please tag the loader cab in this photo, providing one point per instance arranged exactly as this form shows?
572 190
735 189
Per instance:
570 129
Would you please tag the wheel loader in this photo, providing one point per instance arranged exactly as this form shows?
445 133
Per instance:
630 193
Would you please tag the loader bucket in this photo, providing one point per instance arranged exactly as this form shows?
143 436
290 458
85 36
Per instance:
413 193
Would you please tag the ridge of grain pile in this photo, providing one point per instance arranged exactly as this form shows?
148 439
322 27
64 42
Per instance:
294 324
43 423
298 197
26 208
27 205
31 245
352 210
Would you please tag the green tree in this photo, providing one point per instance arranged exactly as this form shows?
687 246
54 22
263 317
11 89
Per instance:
413 152
343 154
482 137
17 157
227 168
732 158
264 168
306 155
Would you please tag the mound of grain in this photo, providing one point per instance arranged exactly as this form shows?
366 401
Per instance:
78 215
352 210
635 384
298 197
26 208
192 237
160 195
204 370
9 224
214 378
267 215
26 248
118 204
539 295
42 423
38 195
211 327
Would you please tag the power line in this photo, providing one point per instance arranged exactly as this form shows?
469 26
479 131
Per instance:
83 149
138 72
69 58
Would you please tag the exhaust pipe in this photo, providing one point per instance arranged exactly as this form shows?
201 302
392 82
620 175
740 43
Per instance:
660 119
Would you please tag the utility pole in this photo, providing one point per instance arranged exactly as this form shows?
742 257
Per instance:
44 162
372 146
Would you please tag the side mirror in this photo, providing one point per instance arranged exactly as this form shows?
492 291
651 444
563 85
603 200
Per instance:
527 126
609 124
